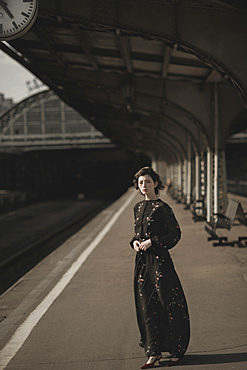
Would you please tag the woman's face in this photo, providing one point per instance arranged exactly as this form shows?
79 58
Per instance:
147 186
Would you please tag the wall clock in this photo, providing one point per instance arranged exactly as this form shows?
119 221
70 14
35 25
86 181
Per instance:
16 17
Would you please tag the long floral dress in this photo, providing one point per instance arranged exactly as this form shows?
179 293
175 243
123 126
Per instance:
161 308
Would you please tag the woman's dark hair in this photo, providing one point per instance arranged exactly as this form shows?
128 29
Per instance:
148 171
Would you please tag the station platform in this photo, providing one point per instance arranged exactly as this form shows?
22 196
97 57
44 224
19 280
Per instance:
75 309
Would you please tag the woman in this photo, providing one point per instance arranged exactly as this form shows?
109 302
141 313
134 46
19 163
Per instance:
161 307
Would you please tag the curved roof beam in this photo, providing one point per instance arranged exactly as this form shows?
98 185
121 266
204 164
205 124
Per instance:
148 113
144 143
172 153
172 121
167 102
235 4
188 132
165 136
182 150
187 113
145 111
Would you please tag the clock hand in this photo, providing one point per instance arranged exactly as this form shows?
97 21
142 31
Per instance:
4 6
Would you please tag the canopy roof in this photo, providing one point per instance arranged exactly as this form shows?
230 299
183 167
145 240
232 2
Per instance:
141 71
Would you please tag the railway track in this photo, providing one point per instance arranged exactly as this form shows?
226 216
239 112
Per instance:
22 260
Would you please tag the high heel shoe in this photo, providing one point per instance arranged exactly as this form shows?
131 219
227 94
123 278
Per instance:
151 364
173 363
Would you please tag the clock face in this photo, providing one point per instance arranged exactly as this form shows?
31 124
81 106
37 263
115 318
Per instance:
16 17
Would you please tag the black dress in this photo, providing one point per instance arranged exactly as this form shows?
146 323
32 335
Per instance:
161 308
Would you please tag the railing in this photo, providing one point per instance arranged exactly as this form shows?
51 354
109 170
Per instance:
53 139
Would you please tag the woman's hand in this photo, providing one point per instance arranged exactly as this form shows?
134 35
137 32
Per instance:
136 245
145 245
142 246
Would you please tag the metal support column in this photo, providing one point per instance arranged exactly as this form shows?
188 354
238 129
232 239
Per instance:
184 180
209 183
197 182
154 164
189 172
222 183
179 180
175 180
172 175
197 177
216 150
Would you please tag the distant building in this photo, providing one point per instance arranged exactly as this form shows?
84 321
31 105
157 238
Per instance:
43 121
5 104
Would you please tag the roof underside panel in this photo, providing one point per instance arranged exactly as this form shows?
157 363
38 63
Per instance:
115 77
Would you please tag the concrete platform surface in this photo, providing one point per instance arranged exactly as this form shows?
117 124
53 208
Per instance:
75 310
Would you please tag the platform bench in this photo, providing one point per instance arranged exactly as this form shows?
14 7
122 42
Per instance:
233 211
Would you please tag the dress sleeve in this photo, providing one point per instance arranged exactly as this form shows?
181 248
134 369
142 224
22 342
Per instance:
134 238
170 239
